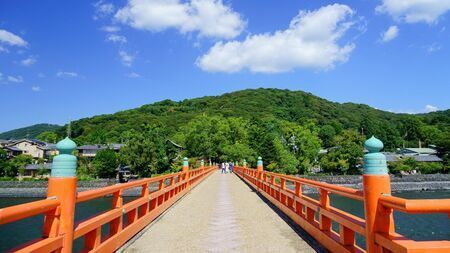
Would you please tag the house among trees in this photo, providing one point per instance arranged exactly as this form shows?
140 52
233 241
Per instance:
33 170
89 151
417 151
420 154
32 147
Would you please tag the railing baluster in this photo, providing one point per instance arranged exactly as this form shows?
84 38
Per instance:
160 189
131 216
325 222
298 193
143 209
346 235
93 239
116 225
282 188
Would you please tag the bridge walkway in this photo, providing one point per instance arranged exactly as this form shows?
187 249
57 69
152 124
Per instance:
222 214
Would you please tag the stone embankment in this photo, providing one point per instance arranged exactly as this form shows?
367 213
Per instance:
433 182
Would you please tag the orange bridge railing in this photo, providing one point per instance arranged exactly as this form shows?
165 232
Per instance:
303 211
59 230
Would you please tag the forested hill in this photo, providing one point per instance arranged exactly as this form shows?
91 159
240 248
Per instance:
268 105
28 132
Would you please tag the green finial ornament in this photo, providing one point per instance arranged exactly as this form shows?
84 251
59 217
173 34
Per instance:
260 162
244 162
202 162
374 161
185 162
65 164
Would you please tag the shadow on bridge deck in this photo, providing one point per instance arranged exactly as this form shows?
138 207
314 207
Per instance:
223 215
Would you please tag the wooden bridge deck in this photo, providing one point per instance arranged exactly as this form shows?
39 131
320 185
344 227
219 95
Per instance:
222 214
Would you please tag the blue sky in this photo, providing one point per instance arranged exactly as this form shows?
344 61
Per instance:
65 60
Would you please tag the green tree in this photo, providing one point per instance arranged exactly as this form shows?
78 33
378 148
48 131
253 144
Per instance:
17 165
48 136
347 153
105 163
303 142
146 151
3 162
286 163
327 134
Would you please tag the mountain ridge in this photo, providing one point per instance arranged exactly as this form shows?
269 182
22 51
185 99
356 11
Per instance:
261 103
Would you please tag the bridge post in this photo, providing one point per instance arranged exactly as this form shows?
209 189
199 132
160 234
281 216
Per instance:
376 182
202 165
185 170
244 164
62 184
259 171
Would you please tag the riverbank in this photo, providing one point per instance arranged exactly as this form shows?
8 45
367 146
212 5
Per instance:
434 182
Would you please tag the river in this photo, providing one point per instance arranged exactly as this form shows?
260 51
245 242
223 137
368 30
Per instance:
417 227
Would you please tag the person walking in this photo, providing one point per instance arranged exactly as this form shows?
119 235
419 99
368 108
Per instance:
223 167
227 167
231 167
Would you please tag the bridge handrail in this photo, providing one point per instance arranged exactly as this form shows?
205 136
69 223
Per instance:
23 211
140 212
413 206
96 193
340 190
302 209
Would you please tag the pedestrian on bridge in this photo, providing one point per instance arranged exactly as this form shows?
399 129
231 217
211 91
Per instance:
223 167
231 167
227 167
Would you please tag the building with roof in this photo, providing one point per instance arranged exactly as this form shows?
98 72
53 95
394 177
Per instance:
427 158
12 151
32 147
417 151
32 170
89 151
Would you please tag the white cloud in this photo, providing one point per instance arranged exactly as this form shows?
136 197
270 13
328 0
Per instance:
430 108
103 9
390 34
210 18
110 29
28 61
126 58
433 48
414 11
311 41
36 88
116 38
426 109
133 75
11 39
62 74
15 79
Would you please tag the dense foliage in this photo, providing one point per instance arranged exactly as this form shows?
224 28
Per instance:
29 132
287 128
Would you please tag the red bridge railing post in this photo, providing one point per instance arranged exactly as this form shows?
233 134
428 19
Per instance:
185 170
259 171
63 185
376 182
202 166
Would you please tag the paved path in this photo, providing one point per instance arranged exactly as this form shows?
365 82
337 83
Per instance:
221 214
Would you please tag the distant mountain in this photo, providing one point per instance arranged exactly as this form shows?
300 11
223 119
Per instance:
262 104
266 104
28 132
